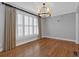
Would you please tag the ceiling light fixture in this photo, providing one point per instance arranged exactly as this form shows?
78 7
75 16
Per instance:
44 11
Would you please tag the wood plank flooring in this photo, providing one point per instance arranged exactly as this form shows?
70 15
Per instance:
45 47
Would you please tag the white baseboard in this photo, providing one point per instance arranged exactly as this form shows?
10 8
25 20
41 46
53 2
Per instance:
25 42
1 49
59 38
76 42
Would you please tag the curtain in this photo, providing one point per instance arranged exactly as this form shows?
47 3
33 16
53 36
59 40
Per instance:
10 28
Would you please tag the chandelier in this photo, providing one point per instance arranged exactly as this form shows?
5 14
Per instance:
44 11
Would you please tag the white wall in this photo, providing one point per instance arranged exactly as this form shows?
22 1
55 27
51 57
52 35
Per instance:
1 26
62 26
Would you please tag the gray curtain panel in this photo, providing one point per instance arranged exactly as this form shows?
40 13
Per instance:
10 28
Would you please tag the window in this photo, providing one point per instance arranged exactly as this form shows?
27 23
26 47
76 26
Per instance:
26 25
20 25
26 22
35 26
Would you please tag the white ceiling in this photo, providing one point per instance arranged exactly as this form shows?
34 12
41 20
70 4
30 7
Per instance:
57 8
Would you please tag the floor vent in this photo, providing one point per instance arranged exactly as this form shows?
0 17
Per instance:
75 53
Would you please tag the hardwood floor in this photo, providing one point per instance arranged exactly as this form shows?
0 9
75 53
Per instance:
44 47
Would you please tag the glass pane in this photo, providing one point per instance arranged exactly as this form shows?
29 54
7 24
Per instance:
35 30
26 20
35 21
20 19
31 30
31 20
20 31
26 31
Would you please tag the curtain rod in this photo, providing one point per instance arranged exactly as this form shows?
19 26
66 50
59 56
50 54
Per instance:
19 9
